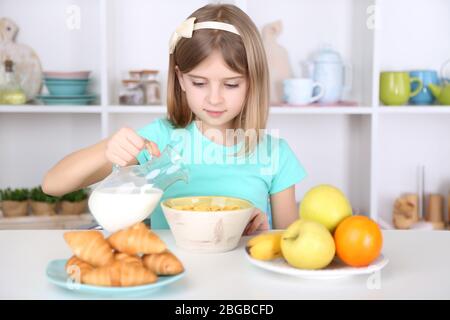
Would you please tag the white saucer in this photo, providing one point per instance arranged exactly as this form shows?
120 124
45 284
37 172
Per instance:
336 269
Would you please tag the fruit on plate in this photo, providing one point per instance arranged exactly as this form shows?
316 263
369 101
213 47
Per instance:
358 241
325 204
266 246
307 245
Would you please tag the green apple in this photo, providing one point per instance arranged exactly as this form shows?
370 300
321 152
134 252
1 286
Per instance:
325 204
307 245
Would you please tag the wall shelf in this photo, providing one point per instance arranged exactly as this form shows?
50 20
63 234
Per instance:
162 109
49 109
274 110
415 110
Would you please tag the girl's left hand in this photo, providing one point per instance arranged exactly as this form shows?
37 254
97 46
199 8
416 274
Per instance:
258 222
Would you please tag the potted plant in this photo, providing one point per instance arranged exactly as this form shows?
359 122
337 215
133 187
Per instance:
41 203
74 203
14 202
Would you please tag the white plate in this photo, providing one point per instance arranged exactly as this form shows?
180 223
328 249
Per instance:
336 269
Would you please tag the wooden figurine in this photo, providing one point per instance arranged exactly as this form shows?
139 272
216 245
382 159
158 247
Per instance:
405 212
448 210
278 60
435 211
435 208
27 65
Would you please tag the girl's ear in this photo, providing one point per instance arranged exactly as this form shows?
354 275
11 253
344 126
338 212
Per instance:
180 78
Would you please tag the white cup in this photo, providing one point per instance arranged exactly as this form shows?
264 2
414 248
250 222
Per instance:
301 91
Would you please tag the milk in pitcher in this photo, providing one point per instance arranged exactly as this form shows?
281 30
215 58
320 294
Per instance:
115 209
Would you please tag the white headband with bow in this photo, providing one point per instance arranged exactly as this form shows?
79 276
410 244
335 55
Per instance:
186 29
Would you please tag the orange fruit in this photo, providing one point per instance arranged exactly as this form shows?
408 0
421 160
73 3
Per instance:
358 241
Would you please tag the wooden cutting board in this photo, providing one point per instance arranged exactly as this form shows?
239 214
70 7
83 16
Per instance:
27 65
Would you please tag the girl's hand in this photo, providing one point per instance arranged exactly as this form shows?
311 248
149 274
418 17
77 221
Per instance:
124 146
258 223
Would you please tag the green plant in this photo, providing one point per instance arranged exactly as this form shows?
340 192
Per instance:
37 194
9 194
75 196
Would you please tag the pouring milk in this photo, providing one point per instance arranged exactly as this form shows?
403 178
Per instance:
130 194
116 208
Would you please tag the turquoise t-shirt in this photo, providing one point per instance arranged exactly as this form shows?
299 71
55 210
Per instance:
214 170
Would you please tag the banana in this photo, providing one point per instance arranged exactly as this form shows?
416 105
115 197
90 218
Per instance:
266 246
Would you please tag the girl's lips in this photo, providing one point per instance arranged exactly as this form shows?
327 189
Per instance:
214 114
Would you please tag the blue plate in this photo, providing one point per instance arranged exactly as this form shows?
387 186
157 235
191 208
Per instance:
66 97
57 275
67 100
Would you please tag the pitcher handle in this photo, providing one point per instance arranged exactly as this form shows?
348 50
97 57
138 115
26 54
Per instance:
320 94
419 87
443 78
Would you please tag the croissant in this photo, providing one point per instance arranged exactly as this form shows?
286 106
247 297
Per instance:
76 268
137 239
119 274
165 263
90 246
123 257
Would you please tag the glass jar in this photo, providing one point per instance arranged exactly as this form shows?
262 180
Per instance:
151 86
11 92
2 81
135 74
131 93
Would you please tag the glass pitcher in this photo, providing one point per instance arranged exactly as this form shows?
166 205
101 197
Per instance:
130 194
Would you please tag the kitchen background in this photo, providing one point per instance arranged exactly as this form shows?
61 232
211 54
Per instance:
375 152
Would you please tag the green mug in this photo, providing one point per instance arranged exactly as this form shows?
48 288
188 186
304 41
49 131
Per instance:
395 87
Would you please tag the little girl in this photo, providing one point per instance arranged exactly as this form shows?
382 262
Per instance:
217 108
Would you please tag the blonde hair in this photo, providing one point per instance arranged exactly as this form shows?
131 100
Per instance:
243 53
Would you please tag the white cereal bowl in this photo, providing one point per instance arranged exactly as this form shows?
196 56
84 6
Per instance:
207 231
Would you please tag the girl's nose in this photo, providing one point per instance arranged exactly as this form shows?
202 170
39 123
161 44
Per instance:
215 95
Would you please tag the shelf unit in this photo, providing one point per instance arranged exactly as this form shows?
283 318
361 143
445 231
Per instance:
358 149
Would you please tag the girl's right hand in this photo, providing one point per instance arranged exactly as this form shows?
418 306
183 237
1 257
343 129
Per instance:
124 146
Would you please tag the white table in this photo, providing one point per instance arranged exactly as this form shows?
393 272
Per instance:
419 267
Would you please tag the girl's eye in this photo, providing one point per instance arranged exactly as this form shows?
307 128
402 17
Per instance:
198 84
231 86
